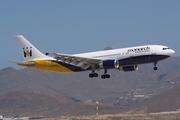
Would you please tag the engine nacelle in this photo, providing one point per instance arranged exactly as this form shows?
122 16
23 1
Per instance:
109 64
129 68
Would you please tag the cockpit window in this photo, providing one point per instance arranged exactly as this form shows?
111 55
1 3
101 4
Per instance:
165 48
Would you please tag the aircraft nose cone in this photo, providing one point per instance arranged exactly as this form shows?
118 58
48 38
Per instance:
172 52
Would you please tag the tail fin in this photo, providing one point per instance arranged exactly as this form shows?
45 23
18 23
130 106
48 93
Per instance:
27 50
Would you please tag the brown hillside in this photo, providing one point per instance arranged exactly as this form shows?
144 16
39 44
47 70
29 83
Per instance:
77 85
18 103
32 103
167 101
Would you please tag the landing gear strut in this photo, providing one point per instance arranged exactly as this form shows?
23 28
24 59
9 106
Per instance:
155 68
105 74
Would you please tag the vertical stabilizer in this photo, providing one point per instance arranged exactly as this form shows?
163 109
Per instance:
28 51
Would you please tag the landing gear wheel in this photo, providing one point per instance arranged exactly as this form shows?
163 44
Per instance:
155 68
93 75
105 76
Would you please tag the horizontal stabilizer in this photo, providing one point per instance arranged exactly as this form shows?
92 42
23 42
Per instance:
24 63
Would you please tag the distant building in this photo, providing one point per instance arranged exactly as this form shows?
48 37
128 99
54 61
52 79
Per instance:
9 118
89 101
121 97
136 96
128 93
170 112
172 82
138 89
134 93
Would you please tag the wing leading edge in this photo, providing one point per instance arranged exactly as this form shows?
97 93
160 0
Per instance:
83 62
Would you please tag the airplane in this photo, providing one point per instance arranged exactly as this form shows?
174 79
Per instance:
126 59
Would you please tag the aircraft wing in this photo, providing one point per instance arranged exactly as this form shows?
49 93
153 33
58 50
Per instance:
76 60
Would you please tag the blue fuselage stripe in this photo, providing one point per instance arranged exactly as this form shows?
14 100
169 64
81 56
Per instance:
123 62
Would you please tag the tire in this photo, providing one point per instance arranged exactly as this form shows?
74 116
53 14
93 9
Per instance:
91 75
95 75
107 76
155 68
103 76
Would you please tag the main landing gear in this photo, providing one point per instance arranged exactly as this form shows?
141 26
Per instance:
155 68
105 74
93 74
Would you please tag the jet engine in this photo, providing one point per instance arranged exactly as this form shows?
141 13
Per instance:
129 68
109 64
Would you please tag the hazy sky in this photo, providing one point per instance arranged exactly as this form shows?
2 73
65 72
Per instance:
78 26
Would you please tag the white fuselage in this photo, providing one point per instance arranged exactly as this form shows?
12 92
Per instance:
130 52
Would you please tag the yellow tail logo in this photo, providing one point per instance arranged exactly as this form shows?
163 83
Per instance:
27 52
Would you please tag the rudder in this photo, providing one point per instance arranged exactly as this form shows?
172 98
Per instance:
28 51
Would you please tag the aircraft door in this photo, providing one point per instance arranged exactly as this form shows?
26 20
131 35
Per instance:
153 50
131 54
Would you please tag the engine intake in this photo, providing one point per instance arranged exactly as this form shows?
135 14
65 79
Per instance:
109 64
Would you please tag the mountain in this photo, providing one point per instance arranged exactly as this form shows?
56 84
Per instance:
60 93
79 86
166 101
108 48
19 103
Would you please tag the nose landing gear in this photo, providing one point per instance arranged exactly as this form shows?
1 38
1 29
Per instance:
155 68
